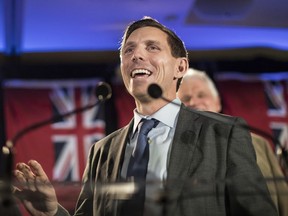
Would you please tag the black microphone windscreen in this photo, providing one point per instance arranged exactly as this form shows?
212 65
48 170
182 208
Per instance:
155 91
103 91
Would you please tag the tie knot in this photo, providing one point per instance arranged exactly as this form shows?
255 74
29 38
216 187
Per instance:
147 125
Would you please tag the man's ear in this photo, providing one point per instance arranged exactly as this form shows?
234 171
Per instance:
218 105
182 67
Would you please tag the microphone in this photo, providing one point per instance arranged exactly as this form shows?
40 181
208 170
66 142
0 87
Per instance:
103 91
155 91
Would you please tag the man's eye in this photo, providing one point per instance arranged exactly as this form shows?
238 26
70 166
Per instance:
127 51
151 47
186 99
201 96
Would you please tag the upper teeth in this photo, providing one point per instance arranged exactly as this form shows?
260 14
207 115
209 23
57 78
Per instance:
140 71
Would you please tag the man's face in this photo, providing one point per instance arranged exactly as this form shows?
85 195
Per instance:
196 94
145 59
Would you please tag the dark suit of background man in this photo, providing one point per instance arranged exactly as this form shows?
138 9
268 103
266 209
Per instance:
209 167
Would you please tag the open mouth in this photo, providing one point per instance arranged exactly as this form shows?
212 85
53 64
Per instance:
140 72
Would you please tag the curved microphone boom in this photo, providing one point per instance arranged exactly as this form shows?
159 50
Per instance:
103 92
155 91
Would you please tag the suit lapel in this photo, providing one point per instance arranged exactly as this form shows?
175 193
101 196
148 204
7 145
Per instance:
185 155
112 154
116 153
182 162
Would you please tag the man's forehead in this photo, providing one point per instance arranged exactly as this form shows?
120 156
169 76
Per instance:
147 32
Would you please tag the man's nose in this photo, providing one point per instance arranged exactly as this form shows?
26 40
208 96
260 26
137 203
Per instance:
137 55
192 103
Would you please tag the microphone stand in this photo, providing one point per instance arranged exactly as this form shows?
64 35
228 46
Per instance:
103 92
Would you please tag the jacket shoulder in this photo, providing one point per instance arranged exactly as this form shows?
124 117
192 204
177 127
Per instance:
211 116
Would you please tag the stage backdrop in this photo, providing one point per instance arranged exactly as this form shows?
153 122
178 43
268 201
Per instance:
62 148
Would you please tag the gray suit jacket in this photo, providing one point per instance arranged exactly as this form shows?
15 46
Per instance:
212 170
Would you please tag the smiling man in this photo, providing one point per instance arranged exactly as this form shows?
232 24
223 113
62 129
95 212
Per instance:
196 163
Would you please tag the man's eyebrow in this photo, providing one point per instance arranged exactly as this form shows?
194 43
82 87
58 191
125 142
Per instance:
129 43
150 41
153 42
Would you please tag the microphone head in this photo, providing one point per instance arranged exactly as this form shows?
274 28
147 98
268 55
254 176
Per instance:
103 91
155 91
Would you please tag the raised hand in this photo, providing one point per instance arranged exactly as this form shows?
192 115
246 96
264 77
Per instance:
35 190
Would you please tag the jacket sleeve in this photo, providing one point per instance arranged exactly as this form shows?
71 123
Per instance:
84 204
246 187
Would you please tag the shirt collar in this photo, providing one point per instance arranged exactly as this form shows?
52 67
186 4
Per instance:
167 114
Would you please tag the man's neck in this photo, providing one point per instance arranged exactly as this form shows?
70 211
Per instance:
149 108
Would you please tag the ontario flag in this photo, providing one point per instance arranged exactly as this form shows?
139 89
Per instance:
62 147
262 100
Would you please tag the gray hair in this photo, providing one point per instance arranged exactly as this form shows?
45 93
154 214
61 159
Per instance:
202 75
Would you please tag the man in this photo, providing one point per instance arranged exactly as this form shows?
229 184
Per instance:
198 91
202 166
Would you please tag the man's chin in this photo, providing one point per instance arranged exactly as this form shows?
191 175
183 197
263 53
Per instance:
144 98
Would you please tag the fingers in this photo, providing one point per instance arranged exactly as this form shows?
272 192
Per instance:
25 176
31 173
41 180
38 171
32 176
36 192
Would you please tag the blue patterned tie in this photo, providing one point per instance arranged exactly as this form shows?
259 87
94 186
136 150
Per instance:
140 156
137 169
